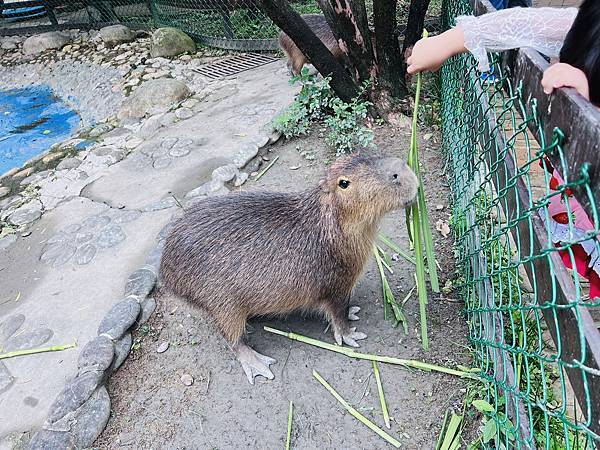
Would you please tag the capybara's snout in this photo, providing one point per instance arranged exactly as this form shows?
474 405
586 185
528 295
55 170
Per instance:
401 178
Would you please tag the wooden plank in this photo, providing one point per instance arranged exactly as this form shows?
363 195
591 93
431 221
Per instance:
578 119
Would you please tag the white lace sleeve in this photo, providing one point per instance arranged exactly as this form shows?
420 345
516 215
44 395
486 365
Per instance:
543 29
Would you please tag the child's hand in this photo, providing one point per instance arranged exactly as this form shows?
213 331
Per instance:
564 75
429 54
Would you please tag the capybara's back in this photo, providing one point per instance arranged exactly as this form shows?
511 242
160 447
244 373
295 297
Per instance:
263 253
320 27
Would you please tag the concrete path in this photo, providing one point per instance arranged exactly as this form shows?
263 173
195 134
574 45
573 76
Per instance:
100 214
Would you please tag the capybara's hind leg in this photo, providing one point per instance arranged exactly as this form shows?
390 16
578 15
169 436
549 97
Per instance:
338 314
232 324
253 362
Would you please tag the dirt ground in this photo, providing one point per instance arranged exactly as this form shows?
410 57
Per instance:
153 408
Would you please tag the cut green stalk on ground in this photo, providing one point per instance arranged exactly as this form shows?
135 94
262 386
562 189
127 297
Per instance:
417 222
33 351
384 410
389 301
351 353
355 413
288 439
449 438
266 169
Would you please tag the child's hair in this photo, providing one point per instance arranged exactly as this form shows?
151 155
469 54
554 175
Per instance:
582 46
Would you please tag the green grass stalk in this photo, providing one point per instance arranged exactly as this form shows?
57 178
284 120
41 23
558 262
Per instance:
351 353
33 351
355 413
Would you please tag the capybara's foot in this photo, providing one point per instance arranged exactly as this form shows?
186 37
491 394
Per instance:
348 337
352 313
253 362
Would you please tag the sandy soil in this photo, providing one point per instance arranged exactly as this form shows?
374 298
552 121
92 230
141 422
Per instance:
153 408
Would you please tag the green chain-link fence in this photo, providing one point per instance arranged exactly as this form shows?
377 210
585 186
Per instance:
531 318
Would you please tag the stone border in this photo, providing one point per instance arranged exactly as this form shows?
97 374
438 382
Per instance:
81 410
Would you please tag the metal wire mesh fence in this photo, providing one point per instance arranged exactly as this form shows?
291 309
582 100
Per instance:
528 250
229 24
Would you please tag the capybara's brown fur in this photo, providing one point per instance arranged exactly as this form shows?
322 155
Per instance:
319 26
261 253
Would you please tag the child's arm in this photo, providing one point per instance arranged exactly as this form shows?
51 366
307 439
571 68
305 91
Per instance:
543 29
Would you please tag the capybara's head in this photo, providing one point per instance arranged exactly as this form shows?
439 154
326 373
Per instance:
365 188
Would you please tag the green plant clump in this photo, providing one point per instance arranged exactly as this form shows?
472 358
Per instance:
316 102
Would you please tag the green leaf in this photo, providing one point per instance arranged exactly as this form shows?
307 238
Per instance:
46 132
489 431
483 406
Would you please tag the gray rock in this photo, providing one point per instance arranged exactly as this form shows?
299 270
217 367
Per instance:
4 191
30 339
140 283
73 395
150 126
110 236
184 113
168 119
10 326
116 34
68 163
114 153
90 419
95 222
245 154
162 163
46 439
7 241
224 173
83 237
153 94
253 165
25 214
123 216
170 42
120 318
85 254
180 151
165 231
168 143
35 177
122 349
6 379
58 253
101 129
148 308
97 355
240 179
153 258
167 202
45 41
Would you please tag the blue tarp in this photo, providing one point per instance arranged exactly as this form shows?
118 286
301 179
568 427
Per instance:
31 120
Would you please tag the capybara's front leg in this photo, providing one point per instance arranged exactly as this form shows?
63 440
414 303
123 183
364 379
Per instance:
338 314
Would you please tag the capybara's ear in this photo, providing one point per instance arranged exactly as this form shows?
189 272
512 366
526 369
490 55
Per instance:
323 184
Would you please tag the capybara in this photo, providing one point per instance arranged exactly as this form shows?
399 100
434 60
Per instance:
319 26
263 253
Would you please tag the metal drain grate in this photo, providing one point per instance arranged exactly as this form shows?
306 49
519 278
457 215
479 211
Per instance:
235 64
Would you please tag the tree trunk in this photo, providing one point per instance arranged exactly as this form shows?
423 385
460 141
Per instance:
292 24
389 59
415 22
350 26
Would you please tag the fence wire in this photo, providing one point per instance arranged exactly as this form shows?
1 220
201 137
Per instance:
528 312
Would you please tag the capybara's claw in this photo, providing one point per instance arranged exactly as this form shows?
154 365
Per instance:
352 313
352 336
254 363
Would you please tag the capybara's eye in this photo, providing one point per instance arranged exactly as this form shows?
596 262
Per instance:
344 184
